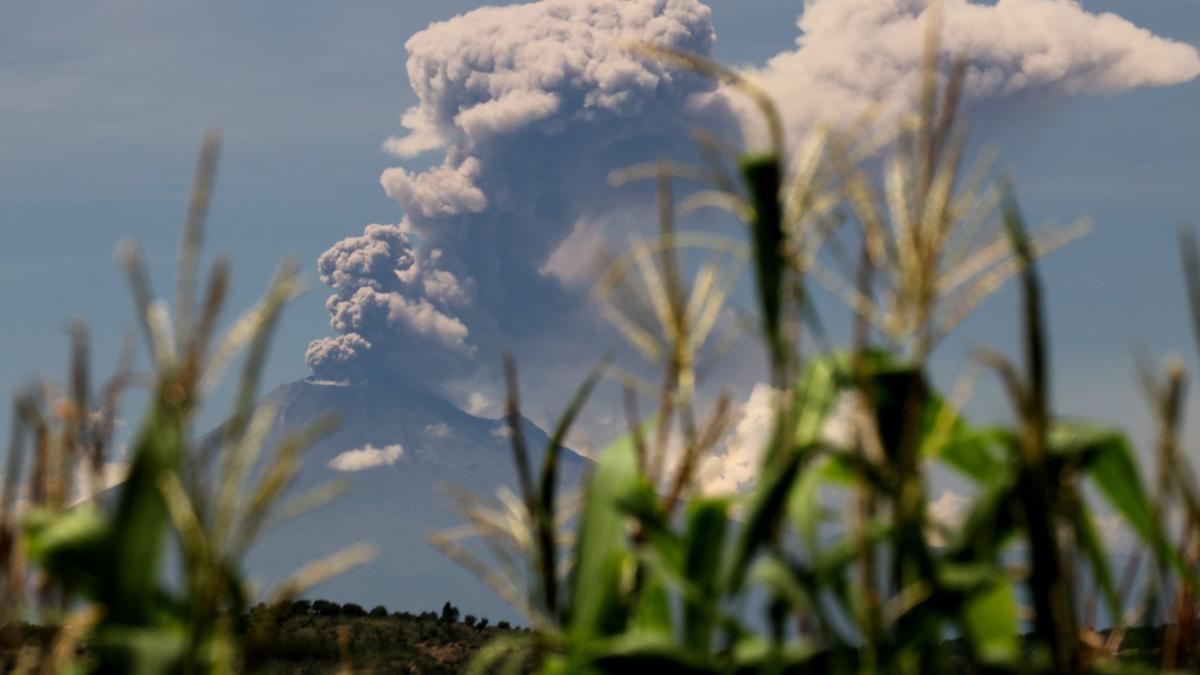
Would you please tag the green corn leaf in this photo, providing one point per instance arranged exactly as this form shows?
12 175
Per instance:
763 175
70 545
141 520
820 383
602 549
753 654
991 623
138 651
1088 541
766 509
780 580
704 544
1106 456
641 652
652 611
804 504
799 587
547 492
495 652
990 522
969 450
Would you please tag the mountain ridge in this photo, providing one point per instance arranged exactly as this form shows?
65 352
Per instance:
394 500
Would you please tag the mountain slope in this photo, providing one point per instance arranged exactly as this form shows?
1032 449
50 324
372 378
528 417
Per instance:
396 497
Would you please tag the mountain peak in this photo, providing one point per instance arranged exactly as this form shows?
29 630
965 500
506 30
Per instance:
399 446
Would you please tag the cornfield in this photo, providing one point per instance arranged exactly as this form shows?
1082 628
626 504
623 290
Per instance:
651 571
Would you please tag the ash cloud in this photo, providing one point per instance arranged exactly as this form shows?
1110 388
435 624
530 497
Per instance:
529 107
523 110
852 54
382 298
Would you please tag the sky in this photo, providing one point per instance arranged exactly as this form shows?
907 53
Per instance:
102 105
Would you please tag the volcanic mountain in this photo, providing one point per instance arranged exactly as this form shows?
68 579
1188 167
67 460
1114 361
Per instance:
399 447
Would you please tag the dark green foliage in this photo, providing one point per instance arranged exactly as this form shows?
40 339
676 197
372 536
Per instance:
326 608
381 644
379 610
449 613
763 174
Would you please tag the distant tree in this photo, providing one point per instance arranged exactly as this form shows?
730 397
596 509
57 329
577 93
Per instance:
379 610
483 623
351 609
469 619
300 607
449 613
326 608
504 625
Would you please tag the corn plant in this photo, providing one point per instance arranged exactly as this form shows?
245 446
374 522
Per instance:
100 562
662 575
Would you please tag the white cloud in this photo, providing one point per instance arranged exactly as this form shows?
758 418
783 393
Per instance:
366 457
737 468
949 509
481 405
947 512
439 430
852 54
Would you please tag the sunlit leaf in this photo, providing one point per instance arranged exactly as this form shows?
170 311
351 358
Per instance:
992 624
602 549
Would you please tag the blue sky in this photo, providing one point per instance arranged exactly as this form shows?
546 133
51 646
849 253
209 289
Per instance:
104 102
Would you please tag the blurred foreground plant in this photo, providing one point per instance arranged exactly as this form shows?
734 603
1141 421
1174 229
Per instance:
662 576
99 561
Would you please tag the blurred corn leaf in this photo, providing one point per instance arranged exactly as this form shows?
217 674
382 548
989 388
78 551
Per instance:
602 554
705 547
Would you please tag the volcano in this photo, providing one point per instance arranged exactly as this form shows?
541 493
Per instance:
399 447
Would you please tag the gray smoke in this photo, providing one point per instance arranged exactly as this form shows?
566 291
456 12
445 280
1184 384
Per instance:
531 106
